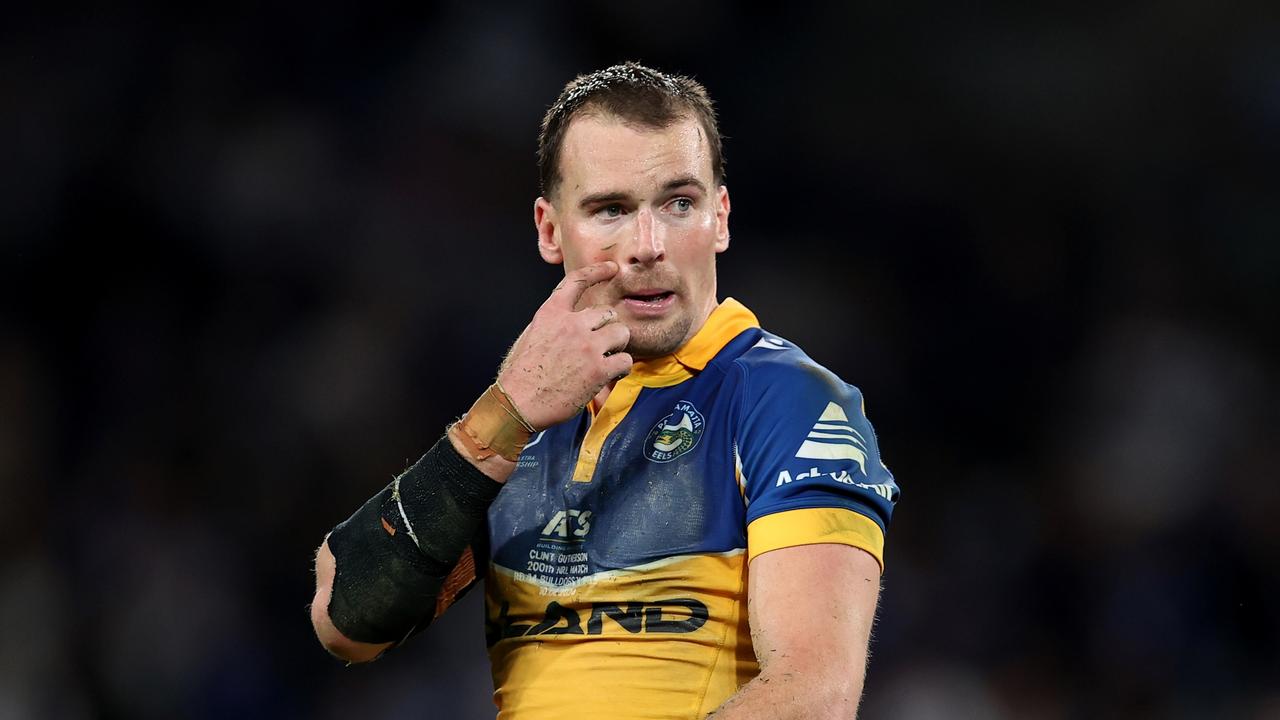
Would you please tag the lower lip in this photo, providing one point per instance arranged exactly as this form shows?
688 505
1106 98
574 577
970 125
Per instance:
649 308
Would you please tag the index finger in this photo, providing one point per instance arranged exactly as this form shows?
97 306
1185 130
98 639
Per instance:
570 290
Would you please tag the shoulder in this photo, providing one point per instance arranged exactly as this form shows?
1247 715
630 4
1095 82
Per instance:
777 372
807 457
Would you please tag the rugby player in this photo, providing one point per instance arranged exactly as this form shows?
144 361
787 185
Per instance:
676 514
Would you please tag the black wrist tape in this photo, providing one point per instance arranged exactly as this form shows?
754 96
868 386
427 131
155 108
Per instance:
394 553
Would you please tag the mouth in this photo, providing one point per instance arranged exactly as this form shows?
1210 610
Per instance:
649 302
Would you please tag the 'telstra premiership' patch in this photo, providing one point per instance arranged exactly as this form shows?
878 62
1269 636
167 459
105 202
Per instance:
675 434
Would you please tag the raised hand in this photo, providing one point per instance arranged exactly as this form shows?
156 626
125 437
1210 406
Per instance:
565 356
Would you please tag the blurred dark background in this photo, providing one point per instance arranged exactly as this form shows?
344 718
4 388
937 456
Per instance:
253 263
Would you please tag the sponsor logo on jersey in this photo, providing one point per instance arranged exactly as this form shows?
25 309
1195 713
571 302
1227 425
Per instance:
677 615
568 525
888 491
834 438
675 434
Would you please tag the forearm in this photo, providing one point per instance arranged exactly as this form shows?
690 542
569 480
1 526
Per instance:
379 573
330 636
496 467
793 693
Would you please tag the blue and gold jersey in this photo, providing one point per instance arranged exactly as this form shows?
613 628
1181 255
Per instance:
618 551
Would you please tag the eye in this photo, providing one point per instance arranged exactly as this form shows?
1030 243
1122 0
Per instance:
682 205
611 211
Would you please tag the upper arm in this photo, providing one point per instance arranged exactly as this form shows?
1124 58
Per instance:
819 500
811 608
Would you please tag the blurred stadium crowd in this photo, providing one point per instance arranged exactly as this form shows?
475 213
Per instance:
253 264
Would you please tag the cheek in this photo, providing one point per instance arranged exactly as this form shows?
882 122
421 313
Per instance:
698 223
585 245
694 243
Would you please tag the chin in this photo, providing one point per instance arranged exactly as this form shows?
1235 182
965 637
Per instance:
651 340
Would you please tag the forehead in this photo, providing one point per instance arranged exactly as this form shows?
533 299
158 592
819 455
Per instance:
604 153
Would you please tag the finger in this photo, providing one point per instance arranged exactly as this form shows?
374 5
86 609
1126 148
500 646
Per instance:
618 364
614 337
570 290
607 315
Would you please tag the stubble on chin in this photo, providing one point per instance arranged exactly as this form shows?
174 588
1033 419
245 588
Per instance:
651 340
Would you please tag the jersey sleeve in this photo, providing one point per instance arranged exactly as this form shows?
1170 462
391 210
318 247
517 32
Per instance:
808 462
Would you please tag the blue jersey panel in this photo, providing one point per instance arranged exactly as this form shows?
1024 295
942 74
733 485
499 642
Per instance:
664 487
804 440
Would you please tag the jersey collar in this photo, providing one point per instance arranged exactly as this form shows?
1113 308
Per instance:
725 323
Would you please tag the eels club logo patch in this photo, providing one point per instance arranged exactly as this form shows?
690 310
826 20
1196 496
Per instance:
675 434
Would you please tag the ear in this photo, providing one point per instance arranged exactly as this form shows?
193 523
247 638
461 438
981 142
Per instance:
722 219
544 218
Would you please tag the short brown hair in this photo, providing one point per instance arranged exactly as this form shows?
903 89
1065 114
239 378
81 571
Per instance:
635 94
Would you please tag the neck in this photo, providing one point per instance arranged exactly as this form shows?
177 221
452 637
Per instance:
598 401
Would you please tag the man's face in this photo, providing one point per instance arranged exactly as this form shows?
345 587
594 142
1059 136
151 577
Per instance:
645 199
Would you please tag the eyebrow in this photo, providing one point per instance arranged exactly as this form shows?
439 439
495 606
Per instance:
615 196
599 198
685 180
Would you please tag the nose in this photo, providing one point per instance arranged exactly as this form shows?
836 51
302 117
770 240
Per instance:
647 248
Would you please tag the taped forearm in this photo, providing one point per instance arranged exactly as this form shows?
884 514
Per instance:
493 426
394 553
